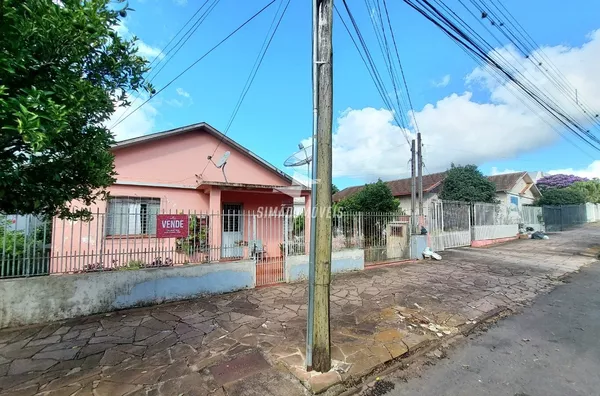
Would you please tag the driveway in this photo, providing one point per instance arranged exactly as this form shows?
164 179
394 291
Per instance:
193 347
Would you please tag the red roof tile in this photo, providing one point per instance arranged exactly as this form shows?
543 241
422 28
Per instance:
399 187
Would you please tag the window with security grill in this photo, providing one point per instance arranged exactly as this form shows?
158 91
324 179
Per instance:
132 216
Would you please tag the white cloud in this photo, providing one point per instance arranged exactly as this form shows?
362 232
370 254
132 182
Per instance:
182 92
144 50
147 51
591 171
459 129
141 122
496 171
443 82
174 103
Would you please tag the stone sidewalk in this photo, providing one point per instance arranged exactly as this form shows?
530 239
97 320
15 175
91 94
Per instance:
204 346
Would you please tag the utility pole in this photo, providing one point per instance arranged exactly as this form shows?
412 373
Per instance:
321 358
420 174
413 187
310 314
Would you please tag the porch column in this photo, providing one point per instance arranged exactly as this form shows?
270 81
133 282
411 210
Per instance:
307 221
215 222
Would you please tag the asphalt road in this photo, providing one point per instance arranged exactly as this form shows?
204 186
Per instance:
552 348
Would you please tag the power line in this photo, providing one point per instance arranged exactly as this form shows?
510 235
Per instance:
412 108
551 102
462 38
197 60
185 38
177 34
504 20
166 59
367 59
257 63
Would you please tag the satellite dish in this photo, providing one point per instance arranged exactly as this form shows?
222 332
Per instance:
221 163
223 159
300 157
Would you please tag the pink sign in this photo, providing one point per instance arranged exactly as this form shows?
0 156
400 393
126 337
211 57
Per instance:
172 226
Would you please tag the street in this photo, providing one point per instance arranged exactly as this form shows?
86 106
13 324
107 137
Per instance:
550 349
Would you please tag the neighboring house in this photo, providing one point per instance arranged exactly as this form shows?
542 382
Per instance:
516 189
401 190
169 172
512 188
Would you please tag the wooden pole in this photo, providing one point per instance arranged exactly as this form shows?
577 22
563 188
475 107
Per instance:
420 174
321 348
413 188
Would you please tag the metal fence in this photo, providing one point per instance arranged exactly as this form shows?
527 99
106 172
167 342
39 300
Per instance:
25 244
563 217
126 239
449 224
495 221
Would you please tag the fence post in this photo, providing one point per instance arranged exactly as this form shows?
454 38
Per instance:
472 219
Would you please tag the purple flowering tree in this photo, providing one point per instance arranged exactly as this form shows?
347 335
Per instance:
558 181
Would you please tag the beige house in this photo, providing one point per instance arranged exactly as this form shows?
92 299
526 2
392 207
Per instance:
512 188
515 188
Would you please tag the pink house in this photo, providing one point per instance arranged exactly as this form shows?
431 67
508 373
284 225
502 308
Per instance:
235 211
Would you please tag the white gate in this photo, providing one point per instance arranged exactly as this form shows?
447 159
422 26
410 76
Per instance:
232 231
449 225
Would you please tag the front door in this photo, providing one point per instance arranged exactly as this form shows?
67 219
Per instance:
232 228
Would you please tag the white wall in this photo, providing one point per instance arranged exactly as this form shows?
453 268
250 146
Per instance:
342 261
428 198
28 301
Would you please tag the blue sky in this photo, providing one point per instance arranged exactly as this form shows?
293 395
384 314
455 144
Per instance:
462 120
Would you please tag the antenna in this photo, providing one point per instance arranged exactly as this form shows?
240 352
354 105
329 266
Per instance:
220 164
301 157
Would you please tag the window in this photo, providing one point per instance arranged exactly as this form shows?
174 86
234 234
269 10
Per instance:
514 200
132 216
232 214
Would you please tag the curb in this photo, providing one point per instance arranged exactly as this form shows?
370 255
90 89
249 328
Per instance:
357 383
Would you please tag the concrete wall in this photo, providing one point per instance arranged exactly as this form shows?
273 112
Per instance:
342 261
428 198
495 232
44 299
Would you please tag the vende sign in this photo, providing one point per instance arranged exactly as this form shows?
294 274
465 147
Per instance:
172 226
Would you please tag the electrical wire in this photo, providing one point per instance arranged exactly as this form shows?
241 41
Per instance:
166 58
367 59
518 36
458 35
412 108
197 60
257 63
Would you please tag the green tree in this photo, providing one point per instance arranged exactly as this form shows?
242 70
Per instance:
590 190
63 68
374 197
561 196
24 253
467 183
334 189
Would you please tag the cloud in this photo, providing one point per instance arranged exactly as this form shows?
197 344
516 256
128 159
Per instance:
457 128
182 92
443 82
496 171
591 171
144 50
141 122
